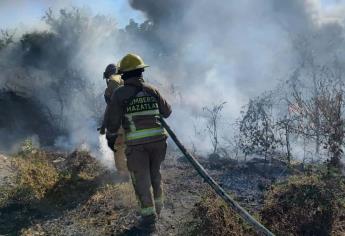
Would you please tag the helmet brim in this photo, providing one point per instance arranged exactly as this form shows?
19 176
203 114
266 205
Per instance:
136 68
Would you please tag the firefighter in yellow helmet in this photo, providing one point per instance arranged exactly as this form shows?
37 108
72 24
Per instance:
137 106
114 81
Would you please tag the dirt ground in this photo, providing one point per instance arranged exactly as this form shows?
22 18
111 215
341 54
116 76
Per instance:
183 189
96 211
6 170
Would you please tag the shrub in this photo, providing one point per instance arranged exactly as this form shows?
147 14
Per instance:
306 205
216 218
35 176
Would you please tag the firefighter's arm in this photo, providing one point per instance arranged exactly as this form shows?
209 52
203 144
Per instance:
164 106
113 120
107 95
105 117
104 121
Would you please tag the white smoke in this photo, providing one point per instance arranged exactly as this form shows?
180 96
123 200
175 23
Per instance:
107 155
234 50
202 53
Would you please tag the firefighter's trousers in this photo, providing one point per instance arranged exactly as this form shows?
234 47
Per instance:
144 162
119 155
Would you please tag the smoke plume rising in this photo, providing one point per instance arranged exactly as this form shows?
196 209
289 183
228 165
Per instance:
201 53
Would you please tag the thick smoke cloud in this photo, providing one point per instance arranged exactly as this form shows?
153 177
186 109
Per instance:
58 72
233 50
200 52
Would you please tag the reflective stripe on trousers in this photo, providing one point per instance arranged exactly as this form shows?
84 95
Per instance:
159 201
147 211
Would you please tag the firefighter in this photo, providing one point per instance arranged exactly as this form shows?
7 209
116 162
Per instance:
137 106
114 81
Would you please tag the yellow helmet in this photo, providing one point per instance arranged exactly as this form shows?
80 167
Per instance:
131 62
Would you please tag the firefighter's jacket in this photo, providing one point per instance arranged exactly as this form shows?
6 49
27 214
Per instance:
115 81
137 107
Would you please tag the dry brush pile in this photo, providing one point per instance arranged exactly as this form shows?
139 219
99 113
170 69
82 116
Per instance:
109 211
214 217
50 190
306 205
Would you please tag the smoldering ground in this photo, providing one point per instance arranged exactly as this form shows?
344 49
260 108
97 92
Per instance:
201 53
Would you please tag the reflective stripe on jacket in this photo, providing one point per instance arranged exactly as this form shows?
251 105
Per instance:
142 118
137 107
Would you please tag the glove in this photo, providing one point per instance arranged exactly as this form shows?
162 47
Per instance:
101 130
111 138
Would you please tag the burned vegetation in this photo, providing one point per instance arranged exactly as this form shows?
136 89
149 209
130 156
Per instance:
37 123
282 159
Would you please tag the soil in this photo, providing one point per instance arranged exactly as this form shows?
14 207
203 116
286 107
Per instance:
6 170
184 189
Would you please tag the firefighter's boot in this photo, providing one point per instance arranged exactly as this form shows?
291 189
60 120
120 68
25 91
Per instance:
147 224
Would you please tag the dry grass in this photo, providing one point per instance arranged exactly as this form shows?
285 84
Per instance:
216 218
42 187
306 205
108 212
71 189
35 175
109 209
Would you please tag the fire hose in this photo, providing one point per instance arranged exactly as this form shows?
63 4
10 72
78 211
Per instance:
257 226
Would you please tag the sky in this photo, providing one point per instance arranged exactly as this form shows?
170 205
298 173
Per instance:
30 12
331 2
14 13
